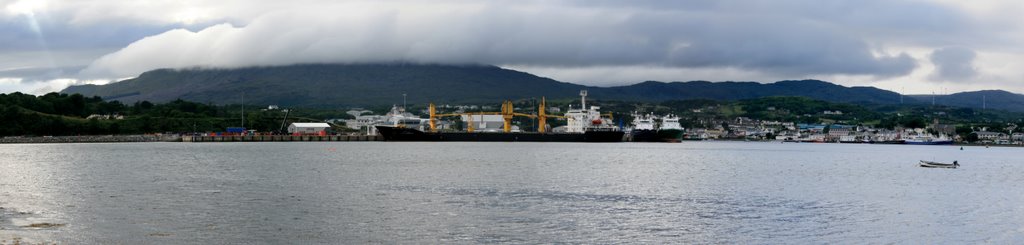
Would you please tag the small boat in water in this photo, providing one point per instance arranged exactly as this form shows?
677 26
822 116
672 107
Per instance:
930 164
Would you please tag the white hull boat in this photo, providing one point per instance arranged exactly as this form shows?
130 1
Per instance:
930 164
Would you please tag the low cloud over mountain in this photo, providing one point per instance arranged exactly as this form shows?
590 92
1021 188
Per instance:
874 42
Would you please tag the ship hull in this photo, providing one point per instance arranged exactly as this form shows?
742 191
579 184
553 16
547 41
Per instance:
889 142
943 142
407 134
668 135
643 135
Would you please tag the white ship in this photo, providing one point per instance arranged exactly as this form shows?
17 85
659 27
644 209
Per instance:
583 119
646 130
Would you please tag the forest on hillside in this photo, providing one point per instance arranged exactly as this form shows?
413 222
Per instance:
74 114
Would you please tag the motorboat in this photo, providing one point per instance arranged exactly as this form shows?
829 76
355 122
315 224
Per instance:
930 164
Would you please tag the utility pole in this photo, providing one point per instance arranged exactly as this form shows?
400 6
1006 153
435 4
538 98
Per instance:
403 101
281 129
902 90
243 109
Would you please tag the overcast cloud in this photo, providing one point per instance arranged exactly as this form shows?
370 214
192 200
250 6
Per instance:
889 44
954 64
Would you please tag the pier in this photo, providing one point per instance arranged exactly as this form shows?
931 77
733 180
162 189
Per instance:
280 138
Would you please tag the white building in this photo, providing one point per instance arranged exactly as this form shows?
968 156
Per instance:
365 121
308 128
990 136
1017 137
356 112
105 117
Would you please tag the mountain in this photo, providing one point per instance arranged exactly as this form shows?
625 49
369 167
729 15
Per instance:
334 85
324 85
659 91
991 99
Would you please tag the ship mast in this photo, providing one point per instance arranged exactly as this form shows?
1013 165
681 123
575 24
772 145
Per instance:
583 100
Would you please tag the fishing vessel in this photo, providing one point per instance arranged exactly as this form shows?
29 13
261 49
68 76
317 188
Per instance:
584 124
670 129
643 129
929 140
646 130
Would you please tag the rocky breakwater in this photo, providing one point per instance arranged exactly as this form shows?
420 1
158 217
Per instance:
90 139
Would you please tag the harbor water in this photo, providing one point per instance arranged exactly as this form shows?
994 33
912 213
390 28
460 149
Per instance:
467 192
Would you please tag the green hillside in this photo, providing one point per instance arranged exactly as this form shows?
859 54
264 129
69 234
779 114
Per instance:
367 85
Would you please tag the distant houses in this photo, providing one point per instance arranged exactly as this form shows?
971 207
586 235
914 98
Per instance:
105 117
709 127
752 129
990 137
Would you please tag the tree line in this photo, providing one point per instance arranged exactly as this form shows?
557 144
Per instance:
56 114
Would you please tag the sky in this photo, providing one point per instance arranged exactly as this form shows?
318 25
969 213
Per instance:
913 47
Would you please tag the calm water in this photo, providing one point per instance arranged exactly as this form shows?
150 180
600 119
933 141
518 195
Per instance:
359 192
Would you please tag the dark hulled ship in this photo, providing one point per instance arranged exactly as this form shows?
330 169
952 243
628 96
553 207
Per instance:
584 124
396 133
645 130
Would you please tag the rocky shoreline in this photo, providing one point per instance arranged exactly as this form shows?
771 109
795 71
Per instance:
90 139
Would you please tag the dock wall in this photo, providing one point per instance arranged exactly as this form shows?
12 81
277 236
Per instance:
280 138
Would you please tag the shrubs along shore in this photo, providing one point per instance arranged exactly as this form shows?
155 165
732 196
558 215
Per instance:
91 139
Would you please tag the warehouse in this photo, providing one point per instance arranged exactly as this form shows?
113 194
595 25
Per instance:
308 128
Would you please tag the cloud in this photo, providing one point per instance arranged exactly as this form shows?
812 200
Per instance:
566 34
41 73
798 48
39 87
954 64
624 41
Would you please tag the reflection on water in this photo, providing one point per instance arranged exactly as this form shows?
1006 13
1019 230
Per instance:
326 192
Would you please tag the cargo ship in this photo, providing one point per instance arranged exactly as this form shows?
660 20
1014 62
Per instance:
584 124
397 133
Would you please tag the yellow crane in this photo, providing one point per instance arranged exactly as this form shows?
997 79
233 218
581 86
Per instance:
542 116
507 113
434 115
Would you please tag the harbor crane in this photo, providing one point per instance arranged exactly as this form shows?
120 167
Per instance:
507 113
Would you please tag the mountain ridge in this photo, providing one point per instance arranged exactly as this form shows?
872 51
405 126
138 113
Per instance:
332 85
